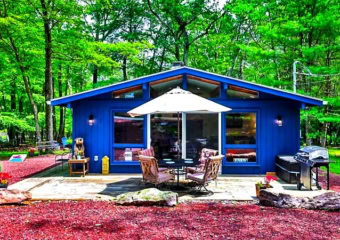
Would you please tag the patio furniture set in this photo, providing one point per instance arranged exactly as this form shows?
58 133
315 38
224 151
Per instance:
201 172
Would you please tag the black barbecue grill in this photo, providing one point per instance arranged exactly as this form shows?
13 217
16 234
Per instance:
312 157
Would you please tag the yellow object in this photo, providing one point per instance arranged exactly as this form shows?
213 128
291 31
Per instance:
105 165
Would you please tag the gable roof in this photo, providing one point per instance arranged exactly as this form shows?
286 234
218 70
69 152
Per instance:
192 71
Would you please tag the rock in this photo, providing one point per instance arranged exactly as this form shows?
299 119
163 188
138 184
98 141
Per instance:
13 196
329 201
149 196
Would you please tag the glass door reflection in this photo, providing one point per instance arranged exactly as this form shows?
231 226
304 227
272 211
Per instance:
201 132
164 135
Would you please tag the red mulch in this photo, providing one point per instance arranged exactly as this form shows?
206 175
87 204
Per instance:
334 181
27 168
104 220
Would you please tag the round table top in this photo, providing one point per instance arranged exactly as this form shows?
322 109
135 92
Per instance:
175 163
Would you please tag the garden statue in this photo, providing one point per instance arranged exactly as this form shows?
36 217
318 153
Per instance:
79 148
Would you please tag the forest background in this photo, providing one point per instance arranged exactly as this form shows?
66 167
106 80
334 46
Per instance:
53 48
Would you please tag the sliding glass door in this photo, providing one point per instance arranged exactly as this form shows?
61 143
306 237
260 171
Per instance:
197 131
201 132
164 135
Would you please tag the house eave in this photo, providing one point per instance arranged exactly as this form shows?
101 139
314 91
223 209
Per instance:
192 71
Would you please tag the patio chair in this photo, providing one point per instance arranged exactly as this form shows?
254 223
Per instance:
151 153
206 153
151 172
210 173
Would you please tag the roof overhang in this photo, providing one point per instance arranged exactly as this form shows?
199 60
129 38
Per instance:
62 101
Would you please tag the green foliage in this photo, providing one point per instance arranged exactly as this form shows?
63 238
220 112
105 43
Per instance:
8 120
255 40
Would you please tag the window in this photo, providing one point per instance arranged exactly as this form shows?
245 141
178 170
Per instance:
241 93
241 155
160 87
241 128
203 87
126 154
128 129
133 92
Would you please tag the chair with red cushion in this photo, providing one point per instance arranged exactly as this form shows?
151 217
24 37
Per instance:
151 172
209 174
206 153
151 153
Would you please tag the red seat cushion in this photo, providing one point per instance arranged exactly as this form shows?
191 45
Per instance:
197 177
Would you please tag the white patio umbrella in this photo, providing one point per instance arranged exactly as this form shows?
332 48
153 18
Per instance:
178 101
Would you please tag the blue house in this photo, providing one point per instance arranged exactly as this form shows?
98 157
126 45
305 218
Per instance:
263 123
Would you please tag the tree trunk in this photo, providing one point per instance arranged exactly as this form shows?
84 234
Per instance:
95 74
241 68
11 130
186 48
177 54
21 104
27 89
323 138
54 124
3 100
69 84
54 116
162 60
236 53
48 70
125 76
13 91
61 109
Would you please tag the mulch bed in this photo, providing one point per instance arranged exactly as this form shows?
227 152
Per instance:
104 220
334 181
27 168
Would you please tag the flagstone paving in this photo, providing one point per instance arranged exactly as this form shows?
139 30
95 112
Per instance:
59 186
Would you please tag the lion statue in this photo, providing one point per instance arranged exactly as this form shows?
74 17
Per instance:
79 148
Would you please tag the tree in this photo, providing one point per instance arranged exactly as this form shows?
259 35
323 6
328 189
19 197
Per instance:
13 32
184 21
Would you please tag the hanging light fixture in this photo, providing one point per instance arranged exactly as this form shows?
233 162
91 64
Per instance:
279 121
91 120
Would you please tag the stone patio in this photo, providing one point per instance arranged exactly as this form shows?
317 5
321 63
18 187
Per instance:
59 186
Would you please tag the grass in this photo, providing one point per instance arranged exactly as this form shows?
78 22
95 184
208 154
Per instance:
5 155
334 155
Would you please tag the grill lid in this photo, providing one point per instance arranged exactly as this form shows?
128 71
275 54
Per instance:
313 152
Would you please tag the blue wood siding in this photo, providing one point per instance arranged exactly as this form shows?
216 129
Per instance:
271 139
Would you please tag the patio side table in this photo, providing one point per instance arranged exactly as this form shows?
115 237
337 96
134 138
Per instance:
85 163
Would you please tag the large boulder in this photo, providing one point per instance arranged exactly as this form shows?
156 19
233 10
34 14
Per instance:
325 201
14 196
149 196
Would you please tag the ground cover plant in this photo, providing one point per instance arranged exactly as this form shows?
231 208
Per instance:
104 220
30 167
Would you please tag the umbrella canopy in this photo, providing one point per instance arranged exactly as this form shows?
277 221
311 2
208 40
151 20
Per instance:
178 101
